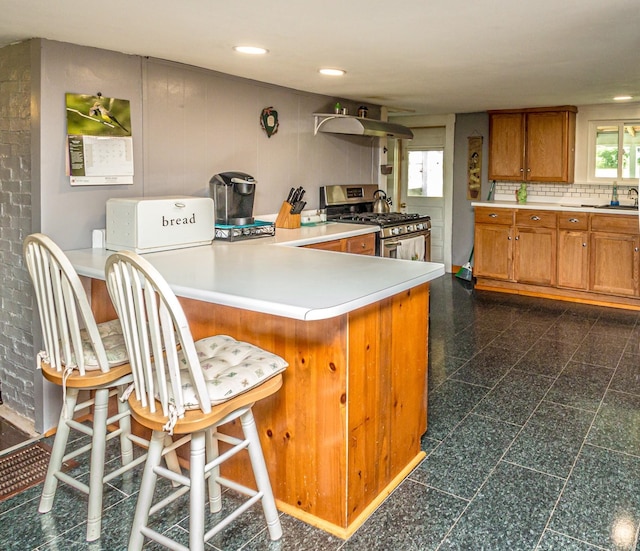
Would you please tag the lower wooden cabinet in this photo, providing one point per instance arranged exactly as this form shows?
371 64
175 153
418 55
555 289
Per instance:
573 259
361 244
515 245
571 255
615 255
535 258
493 252
336 245
535 247
573 250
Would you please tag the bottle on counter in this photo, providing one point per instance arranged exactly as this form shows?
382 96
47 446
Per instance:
614 195
521 194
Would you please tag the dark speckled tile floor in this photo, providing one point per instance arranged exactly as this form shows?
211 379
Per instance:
533 444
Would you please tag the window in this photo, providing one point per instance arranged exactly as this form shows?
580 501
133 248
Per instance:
614 152
425 172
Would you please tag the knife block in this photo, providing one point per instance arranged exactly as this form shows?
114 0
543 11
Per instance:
287 220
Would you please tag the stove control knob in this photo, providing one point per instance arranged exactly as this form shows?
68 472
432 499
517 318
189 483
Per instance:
420 226
395 231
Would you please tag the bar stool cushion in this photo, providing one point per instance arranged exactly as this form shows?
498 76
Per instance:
230 368
111 334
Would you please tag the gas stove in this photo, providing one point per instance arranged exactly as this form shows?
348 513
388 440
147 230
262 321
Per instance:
354 205
391 223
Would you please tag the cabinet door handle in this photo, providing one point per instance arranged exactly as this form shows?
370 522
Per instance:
509 238
535 218
636 249
584 244
522 170
574 220
493 215
517 237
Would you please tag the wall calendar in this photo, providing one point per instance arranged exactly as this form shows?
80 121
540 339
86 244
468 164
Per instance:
99 142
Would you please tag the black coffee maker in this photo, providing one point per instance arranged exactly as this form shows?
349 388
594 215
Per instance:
232 194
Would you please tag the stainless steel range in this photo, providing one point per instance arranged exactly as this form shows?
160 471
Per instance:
401 235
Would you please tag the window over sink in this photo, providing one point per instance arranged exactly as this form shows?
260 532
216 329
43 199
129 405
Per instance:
614 151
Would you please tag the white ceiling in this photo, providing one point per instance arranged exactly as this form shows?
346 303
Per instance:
425 56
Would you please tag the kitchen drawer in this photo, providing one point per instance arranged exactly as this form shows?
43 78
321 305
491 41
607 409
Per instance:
488 215
335 245
573 221
536 218
363 244
614 223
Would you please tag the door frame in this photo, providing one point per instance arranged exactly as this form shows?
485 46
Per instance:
422 121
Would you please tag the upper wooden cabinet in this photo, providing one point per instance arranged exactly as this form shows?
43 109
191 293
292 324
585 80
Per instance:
532 145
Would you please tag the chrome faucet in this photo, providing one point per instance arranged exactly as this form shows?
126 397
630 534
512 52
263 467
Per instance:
635 196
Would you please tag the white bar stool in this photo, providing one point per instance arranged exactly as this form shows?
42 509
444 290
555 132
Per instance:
79 355
188 391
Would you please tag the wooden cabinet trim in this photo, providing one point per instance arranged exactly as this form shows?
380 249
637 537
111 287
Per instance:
569 108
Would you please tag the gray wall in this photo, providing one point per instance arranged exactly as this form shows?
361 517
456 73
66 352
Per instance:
469 124
187 124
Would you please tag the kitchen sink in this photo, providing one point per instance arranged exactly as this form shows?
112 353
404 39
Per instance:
618 207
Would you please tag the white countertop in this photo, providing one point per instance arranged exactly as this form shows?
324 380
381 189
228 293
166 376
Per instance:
263 276
322 231
555 206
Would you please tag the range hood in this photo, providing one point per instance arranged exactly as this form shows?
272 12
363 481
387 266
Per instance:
360 126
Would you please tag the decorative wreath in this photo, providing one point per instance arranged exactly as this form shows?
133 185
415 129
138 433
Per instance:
269 121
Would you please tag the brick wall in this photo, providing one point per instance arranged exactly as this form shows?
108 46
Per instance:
16 338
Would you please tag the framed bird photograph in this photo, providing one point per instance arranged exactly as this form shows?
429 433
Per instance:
99 141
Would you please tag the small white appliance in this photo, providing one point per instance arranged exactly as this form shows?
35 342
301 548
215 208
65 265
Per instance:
150 224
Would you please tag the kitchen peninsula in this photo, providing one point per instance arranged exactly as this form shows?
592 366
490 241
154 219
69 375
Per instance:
345 428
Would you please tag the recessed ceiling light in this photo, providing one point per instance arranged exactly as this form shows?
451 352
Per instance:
332 72
253 50
622 98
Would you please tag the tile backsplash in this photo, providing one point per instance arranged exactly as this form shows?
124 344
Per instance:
572 193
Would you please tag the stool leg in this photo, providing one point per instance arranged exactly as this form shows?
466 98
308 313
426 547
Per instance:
147 488
57 453
126 445
196 492
171 459
215 493
96 469
262 476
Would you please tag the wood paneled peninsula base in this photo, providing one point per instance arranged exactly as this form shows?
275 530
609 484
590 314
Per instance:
344 430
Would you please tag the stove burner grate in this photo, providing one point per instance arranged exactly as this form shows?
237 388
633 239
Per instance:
381 219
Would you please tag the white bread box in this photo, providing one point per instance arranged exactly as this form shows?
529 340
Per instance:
151 224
